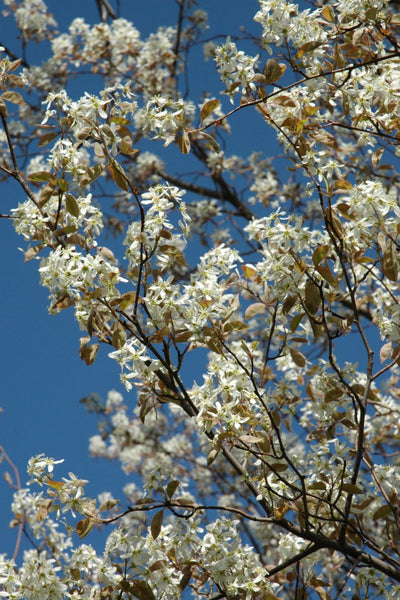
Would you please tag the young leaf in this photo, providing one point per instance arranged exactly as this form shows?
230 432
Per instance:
172 487
118 335
327 274
71 205
84 527
312 298
297 357
156 523
254 309
13 97
273 70
295 322
118 178
208 108
184 143
319 254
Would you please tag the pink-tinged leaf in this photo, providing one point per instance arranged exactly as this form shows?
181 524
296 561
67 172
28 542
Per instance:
254 309
323 137
156 524
385 351
86 352
208 108
251 439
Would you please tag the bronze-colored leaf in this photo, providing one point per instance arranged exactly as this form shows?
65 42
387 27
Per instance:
156 524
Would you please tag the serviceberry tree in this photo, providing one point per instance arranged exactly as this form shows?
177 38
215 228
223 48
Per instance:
274 470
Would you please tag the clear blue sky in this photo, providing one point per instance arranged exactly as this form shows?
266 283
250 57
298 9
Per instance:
42 376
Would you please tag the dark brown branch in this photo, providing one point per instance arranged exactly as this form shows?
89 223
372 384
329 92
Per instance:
209 193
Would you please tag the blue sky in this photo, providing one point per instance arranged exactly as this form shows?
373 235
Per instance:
42 376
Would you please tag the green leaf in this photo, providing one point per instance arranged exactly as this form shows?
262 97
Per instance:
211 142
208 108
333 394
381 512
156 524
351 488
298 358
319 254
318 485
312 298
125 300
328 14
295 322
41 176
71 205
